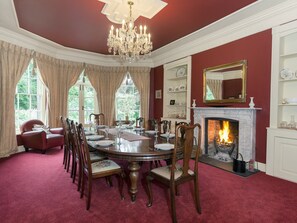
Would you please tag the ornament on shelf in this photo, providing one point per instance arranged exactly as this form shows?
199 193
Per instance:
252 104
194 103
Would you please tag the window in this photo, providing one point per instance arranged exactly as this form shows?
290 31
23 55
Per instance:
127 100
28 96
82 101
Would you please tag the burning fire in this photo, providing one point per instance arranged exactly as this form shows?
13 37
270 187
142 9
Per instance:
224 133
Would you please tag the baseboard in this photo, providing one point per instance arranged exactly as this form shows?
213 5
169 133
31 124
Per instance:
260 166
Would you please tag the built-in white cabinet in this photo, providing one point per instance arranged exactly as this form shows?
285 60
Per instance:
177 91
282 132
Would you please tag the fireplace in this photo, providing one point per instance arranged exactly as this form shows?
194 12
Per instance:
245 135
221 137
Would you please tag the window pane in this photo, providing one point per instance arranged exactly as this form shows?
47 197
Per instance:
23 86
28 98
89 103
127 101
33 101
73 98
87 114
74 115
24 103
89 91
33 87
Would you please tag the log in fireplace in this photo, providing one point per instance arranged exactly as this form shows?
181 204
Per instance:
221 138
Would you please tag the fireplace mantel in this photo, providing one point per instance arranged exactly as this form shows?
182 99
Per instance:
247 126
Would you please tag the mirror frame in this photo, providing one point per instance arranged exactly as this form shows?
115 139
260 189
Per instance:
243 64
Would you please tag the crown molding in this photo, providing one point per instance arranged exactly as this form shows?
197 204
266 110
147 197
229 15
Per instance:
42 45
260 16
221 32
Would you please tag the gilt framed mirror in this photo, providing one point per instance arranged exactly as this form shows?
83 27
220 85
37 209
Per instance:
225 83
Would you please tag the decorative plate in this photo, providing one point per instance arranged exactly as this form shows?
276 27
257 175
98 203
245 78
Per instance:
94 137
105 143
88 133
164 146
182 87
150 132
286 73
182 71
170 89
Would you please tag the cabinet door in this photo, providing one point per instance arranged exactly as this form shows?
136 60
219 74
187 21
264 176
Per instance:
285 158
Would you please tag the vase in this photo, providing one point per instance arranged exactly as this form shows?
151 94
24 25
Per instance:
252 104
194 103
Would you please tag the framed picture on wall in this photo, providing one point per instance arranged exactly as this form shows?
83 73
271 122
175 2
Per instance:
158 94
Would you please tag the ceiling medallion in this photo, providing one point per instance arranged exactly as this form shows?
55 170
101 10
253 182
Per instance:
127 42
116 10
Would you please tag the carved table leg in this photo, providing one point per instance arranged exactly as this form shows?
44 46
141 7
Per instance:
134 172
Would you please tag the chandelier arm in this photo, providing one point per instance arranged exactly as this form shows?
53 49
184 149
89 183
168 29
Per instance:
127 42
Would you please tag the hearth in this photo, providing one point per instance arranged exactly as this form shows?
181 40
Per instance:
246 135
221 138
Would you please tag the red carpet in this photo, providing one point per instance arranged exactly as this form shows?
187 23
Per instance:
36 188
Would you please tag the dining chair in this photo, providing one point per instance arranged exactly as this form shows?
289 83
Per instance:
165 125
68 145
74 141
180 171
181 133
140 122
153 123
90 171
65 156
99 119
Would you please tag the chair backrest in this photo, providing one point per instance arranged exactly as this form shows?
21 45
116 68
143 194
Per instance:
84 150
99 119
140 122
181 133
183 149
74 140
152 124
165 125
28 125
67 131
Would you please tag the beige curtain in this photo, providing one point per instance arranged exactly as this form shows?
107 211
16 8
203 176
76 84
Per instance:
106 81
216 88
14 61
141 78
94 76
58 75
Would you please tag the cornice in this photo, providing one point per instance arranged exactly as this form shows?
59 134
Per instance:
260 16
220 32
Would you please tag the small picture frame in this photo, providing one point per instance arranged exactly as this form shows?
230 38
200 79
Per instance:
158 94
172 102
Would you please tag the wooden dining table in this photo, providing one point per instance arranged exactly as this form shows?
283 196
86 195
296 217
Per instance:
134 151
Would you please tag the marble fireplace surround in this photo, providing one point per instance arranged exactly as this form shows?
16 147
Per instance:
247 126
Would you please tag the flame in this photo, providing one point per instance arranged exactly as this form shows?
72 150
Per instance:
224 133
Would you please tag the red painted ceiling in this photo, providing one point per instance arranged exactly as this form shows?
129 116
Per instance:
79 24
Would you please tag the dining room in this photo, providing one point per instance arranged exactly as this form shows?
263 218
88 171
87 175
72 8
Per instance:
73 91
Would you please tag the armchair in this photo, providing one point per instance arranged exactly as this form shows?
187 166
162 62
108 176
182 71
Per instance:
40 139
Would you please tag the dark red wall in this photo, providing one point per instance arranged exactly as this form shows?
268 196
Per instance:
256 49
158 83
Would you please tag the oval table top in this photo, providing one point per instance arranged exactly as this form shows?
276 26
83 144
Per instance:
137 150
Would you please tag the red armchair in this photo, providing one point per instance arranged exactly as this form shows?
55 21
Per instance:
40 139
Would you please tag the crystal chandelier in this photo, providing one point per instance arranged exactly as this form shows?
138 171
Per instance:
127 43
